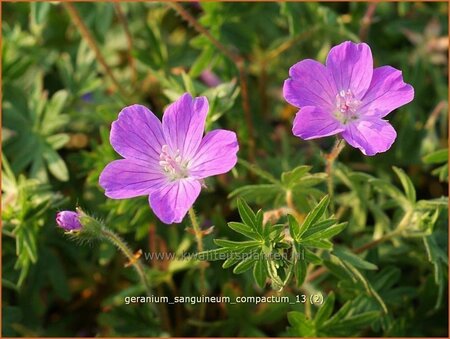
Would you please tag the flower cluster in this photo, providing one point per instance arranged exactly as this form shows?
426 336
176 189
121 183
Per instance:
168 160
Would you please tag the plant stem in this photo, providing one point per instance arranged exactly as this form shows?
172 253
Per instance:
290 204
199 238
330 158
398 231
308 310
238 60
123 20
117 241
86 34
367 20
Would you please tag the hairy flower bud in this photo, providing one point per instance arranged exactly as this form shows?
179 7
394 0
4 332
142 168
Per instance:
68 220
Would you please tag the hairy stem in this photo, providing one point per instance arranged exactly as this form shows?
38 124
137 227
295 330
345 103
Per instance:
199 239
117 241
330 158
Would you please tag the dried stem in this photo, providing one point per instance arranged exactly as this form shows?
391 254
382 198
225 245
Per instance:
330 158
433 116
240 64
86 34
123 20
367 20
283 47
262 87
290 204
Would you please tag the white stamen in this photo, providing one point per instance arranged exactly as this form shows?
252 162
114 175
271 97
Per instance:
172 164
346 106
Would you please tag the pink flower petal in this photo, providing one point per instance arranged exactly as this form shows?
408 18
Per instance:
172 202
137 134
351 66
184 123
310 84
312 122
215 155
127 178
387 92
371 136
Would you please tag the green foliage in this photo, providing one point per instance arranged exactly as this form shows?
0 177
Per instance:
267 251
439 157
376 249
343 323
27 201
36 143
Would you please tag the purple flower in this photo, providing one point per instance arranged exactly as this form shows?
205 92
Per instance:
347 96
167 161
68 220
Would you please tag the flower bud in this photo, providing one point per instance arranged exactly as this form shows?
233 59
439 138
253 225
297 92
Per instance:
68 220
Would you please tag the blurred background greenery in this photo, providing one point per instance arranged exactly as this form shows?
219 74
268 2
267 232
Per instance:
68 69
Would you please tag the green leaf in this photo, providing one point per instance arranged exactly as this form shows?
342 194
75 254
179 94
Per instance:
300 272
325 310
407 184
318 243
58 140
202 62
432 203
256 193
340 314
320 226
248 216
436 157
244 265
233 260
438 257
310 180
258 171
236 244
300 325
387 278
260 271
356 322
311 257
314 216
39 12
188 84
366 284
353 259
325 233
294 227
289 179
29 244
56 164
244 230
384 187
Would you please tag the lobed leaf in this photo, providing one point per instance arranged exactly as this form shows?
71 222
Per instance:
407 184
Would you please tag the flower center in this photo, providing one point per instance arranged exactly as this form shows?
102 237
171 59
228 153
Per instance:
173 165
346 106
